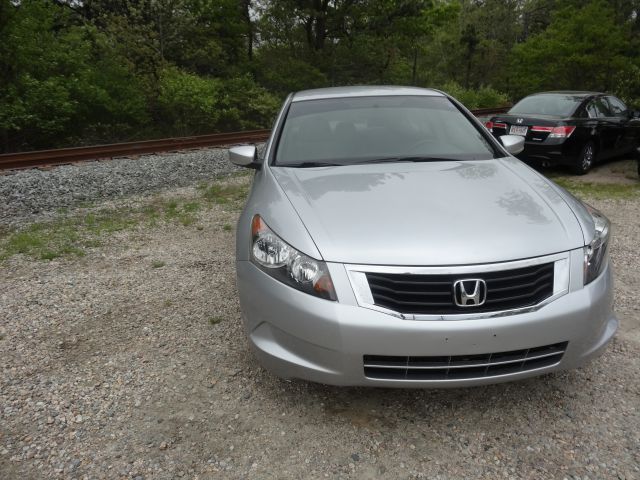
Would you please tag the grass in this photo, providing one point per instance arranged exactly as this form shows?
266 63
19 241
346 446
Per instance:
67 236
224 194
74 235
43 242
214 320
599 190
157 264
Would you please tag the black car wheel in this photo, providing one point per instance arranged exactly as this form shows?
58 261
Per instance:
586 159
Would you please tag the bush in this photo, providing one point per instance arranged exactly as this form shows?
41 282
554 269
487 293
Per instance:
62 85
188 103
626 85
484 97
246 106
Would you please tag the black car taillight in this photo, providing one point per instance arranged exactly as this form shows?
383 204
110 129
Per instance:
555 132
491 125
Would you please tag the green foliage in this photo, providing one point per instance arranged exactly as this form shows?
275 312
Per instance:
582 48
277 71
626 83
190 104
60 84
483 97
74 72
246 105
187 103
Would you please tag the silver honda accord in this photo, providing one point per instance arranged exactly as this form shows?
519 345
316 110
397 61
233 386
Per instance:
390 240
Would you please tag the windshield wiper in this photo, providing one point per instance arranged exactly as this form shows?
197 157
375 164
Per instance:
415 159
312 164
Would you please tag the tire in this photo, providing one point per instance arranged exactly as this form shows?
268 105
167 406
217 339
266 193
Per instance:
586 159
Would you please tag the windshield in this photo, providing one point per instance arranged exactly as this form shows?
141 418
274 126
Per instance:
552 104
346 131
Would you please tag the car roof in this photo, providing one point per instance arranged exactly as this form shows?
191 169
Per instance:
362 91
575 93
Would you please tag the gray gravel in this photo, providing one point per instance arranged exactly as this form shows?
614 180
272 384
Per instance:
29 195
110 368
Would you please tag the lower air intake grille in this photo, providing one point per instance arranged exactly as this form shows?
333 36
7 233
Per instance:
462 367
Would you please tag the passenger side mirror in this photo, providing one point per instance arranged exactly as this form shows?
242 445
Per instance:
634 113
244 156
514 144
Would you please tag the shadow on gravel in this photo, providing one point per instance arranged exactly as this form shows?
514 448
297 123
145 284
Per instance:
525 402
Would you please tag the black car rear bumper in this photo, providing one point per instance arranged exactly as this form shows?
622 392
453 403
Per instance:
558 154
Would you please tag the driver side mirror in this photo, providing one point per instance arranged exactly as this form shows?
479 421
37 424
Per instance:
514 144
634 113
244 156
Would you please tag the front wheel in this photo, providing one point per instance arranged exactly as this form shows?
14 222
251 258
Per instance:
586 159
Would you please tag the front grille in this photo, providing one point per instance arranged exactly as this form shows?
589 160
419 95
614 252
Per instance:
462 367
433 294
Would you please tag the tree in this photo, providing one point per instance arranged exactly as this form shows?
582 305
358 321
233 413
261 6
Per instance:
106 70
582 48
60 81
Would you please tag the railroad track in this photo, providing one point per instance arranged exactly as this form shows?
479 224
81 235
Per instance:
41 158
45 158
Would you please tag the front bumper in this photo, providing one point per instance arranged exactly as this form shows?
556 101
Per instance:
295 335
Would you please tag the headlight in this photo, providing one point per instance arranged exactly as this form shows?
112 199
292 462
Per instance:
595 254
277 258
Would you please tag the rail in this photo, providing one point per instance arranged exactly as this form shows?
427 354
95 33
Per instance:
61 156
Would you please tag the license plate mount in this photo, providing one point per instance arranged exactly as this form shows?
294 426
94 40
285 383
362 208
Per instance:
518 130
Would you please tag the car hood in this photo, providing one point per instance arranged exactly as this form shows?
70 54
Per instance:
437 213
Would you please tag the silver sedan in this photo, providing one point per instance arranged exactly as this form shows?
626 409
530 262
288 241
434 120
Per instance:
390 240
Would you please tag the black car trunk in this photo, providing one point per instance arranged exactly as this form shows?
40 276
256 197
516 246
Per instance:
534 129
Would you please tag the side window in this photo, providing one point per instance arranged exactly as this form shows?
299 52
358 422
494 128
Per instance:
597 108
618 109
592 111
583 111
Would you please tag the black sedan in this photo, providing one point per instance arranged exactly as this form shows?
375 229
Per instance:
570 128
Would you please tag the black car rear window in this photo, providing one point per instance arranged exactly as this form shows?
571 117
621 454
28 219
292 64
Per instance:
547 104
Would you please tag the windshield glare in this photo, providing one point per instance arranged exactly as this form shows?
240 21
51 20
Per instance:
353 130
555 105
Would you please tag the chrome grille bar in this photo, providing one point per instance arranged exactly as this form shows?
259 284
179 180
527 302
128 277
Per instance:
462 366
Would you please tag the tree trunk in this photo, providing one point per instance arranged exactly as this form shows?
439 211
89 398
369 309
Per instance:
415 67
467 76
247 18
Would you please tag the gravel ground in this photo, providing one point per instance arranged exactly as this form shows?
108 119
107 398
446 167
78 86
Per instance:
37 194
111 368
